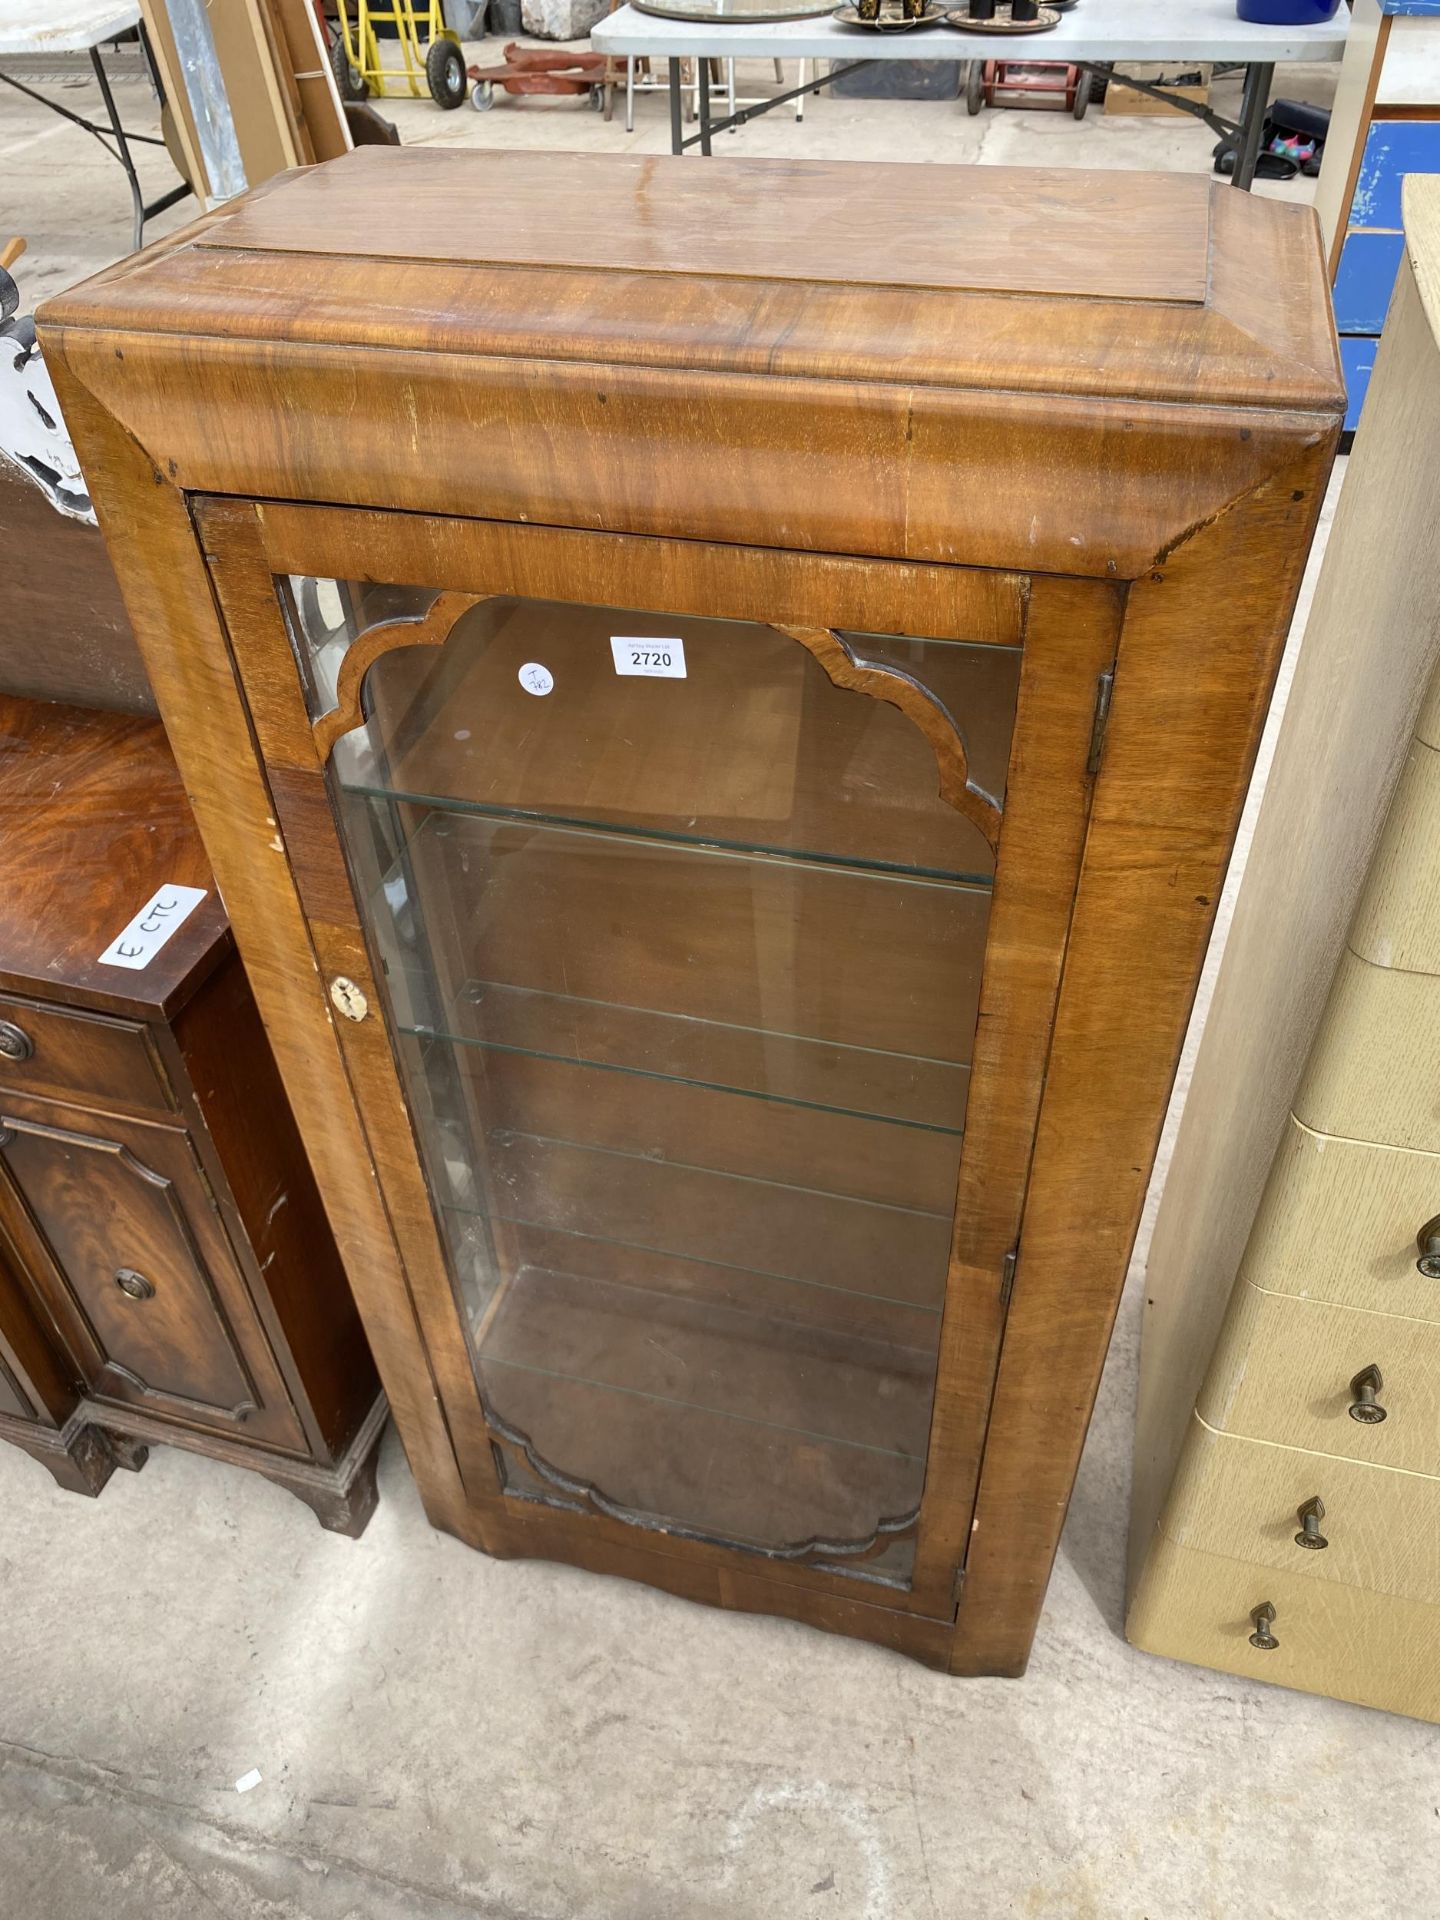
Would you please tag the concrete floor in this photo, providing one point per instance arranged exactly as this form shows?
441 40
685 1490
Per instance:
442 1736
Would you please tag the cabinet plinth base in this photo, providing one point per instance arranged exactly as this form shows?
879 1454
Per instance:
78 1457
82 1456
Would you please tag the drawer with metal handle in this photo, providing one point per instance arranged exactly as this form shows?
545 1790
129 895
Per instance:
1328 1380
1266 1624
87 1059
1351 1223
1314 1515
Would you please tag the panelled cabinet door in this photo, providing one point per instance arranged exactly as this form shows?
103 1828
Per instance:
681 914
137 1271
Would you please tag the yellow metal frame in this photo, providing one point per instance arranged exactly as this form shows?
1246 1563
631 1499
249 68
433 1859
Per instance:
362 44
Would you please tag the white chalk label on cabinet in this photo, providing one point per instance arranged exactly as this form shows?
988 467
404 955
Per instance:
652 659
147 933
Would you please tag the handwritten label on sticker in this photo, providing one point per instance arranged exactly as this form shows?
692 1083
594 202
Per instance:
535 678
652 659
147 933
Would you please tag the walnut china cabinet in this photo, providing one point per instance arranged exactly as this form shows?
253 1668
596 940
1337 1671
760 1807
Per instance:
718 699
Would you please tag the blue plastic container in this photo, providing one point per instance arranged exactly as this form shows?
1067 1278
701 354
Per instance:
1288 13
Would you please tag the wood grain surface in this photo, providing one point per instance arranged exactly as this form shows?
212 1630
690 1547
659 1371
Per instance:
94 822
65 636
797 434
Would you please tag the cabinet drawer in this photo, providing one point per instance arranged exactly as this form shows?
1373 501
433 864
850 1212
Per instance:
1374 1073
1339 1222
86 1057
1241 1498
1282 1371
1373 1648
1397 923
129 1258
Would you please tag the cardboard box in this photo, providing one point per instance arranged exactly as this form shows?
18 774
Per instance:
1122 99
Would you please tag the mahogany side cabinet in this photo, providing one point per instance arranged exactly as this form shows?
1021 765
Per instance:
719 698
166 1271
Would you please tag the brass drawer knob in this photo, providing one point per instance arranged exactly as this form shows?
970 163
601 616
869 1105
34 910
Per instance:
1263 1618
1363 1404
134 1285
15 1043
1428 1241
1310 1516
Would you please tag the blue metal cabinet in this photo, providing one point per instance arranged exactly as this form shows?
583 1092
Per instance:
1374 243
1369 263
1393 148
1357 357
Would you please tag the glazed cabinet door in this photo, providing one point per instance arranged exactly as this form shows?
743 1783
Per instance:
692 918
127 1255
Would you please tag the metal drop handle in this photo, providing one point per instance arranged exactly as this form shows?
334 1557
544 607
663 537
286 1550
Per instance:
15 1043
1263 1618
1428 1242
134 1285
1363 1404
1310 1516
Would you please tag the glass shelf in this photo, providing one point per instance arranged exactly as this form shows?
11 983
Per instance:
363 782
711 1055
776 1235
768 1013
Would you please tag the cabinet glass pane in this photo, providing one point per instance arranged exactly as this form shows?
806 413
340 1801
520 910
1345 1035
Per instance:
684 974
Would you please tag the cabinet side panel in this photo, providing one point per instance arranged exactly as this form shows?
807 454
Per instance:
289 1257
168 597
1191 689
1369 647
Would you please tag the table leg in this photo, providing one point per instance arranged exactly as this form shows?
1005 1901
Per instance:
702 100
1254 104
677 131
122 150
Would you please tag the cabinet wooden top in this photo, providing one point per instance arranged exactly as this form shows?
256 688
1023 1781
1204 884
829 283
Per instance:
1053 372
94 822
1129 284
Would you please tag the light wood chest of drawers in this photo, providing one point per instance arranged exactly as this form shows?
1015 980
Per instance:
1307 1166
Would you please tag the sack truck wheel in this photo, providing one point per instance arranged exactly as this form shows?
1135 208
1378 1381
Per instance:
445 74
482 96
1082 94
348 79
975 86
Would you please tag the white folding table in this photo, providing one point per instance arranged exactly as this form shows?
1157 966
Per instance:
84 26
1094 35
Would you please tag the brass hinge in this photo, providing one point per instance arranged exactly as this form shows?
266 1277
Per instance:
1104 691
1007 1277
